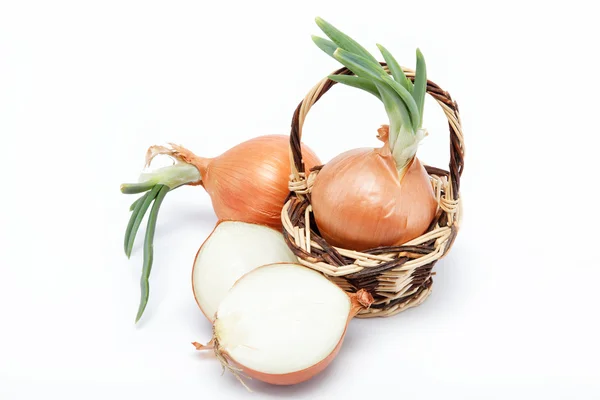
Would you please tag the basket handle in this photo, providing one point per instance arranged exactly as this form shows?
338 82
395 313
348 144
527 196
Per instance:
449 106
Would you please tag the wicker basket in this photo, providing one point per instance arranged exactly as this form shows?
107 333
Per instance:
398 277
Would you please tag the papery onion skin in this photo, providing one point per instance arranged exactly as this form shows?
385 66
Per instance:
360 201
249 182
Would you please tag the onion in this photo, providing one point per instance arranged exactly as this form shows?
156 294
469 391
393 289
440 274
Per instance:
247 183
360 201
366 198
232 250
282 324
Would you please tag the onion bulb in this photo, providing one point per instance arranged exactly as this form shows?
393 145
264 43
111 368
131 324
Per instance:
366 198
282 323
247 183
360 201
232 250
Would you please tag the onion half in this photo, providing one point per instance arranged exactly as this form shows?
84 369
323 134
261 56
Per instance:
232 250
282 323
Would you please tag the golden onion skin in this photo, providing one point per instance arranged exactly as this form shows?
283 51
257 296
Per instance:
360 201
249 182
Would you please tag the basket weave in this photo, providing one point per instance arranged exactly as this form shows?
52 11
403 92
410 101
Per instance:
398 277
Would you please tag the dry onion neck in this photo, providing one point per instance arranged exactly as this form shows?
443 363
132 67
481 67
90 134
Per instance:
403 100
181 172
215 346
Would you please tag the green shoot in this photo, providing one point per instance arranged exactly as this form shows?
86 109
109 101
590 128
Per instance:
149 251
342 40
156 184
403 100
420 83
395 69
359 83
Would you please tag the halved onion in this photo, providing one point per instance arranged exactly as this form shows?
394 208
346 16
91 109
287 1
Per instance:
232 250
282 323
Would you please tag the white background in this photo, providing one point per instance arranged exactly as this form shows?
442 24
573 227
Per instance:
86 87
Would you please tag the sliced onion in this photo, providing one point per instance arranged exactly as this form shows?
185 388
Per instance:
232 250
283 323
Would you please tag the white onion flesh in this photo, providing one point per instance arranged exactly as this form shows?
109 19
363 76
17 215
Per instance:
232 250
282 318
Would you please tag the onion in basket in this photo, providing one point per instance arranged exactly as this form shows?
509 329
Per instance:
366 198
233 249
247 183
282 324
